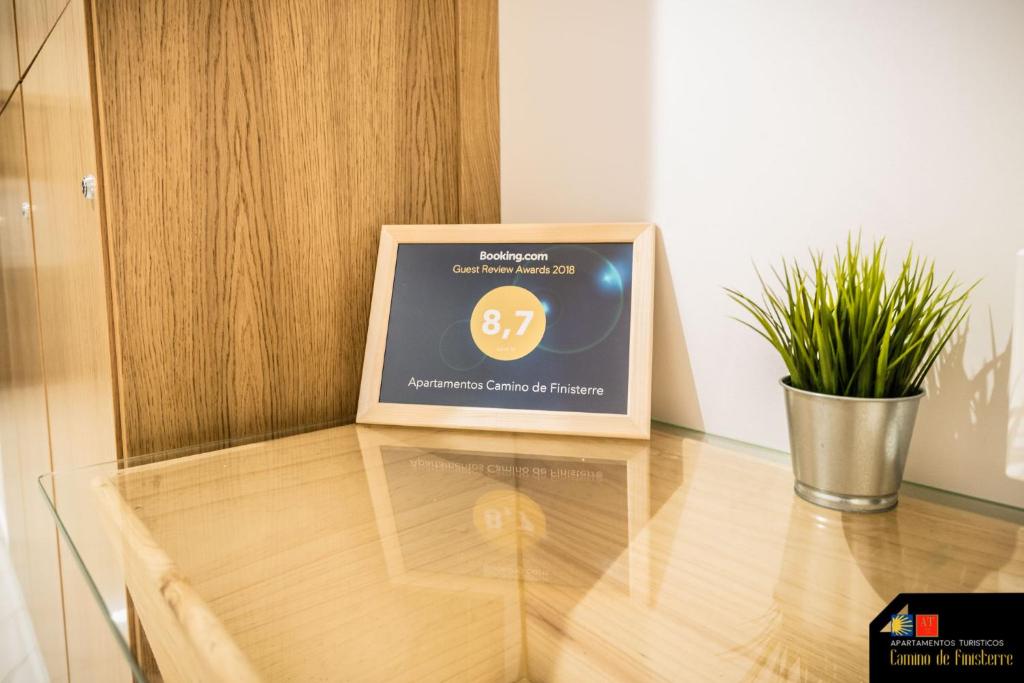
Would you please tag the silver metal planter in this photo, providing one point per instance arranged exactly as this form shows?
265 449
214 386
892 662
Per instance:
849 453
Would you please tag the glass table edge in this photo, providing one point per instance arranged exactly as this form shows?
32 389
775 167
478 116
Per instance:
126 650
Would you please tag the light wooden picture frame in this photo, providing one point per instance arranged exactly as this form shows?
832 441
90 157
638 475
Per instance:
634 422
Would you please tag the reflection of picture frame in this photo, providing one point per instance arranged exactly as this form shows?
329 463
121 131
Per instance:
608 392
629 554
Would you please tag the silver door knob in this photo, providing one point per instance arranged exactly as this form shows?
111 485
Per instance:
26 209
89 186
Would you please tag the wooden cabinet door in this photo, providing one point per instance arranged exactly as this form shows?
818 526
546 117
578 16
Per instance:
73 307
70 248
35 19
24 439
9 72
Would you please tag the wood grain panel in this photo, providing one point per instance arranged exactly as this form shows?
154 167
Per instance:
425 101
35 20
10 74
253 151
24 441
479 153
73 301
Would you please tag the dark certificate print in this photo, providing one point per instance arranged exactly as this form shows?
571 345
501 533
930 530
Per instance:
581 363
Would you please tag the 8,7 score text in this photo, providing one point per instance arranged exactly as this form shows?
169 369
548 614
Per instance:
508 323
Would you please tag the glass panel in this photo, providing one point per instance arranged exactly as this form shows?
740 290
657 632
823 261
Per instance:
388 553
88 549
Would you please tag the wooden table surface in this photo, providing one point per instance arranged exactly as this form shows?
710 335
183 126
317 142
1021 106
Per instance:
390 554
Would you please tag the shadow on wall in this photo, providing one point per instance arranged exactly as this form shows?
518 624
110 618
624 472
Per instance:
674 391
964 418
1015 428
1015 409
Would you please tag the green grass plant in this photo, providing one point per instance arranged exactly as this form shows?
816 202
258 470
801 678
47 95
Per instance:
853 331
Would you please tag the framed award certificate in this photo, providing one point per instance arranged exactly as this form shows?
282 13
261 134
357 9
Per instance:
541 327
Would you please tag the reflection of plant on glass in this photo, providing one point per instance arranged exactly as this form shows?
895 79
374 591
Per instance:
851 332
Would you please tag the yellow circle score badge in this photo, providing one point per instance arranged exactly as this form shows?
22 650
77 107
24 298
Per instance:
508 322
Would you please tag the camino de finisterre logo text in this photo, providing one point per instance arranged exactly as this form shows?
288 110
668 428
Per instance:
915 645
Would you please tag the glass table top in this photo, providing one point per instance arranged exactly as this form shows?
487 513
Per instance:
383 553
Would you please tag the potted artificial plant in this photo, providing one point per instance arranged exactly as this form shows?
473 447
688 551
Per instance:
858 346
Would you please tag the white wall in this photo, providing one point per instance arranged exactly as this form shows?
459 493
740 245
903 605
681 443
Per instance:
750 131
